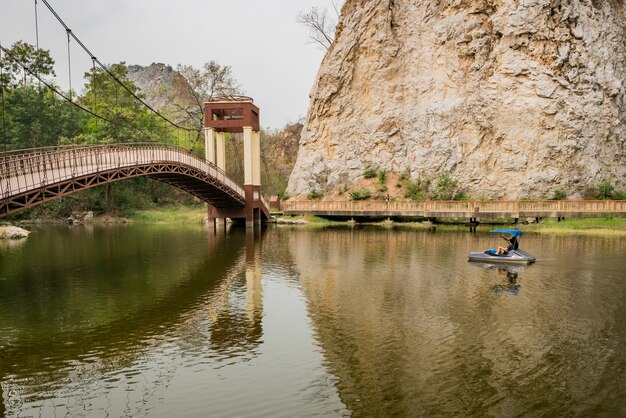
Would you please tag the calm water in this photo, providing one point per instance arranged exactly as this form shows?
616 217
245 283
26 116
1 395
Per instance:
159 321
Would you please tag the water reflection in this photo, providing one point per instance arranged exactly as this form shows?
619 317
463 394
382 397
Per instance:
141 293
508 274
159 321
411 329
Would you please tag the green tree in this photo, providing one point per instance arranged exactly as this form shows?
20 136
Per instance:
127 119
36 118
20 55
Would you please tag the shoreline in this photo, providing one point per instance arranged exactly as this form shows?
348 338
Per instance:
197 215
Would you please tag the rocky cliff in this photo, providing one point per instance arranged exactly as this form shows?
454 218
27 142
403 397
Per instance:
512 98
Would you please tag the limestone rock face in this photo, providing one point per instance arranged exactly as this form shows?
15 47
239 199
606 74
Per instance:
513 98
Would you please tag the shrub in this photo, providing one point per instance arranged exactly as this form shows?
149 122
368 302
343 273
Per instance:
382 176
342 188
559 194
314 194
603 191
446 188
414 190
363 194
370 173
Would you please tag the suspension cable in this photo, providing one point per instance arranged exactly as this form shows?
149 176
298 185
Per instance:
36 26
40 113
93 81
4 132
69 59
55 90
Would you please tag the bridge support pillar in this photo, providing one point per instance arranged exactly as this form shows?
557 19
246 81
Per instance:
252 174
209 144
253 202
220 151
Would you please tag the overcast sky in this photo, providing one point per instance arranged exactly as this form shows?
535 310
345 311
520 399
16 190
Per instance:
269 52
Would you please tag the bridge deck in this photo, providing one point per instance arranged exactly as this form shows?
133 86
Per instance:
31 177
459 209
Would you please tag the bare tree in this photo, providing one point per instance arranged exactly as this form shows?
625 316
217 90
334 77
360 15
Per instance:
321 26
195 86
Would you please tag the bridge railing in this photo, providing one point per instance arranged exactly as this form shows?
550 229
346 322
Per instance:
22 170
424 207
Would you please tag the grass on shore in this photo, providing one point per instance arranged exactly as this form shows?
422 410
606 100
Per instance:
616 226
196 214
171 214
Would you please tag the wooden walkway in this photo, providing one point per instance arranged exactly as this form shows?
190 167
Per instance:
471 209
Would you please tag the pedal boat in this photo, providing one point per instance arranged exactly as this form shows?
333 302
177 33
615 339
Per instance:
515 256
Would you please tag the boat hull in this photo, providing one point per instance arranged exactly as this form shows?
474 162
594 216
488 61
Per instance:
514 257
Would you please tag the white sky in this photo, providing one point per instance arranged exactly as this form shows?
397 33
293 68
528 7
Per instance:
269 52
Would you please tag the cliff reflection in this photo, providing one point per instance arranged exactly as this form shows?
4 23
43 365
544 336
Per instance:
410 329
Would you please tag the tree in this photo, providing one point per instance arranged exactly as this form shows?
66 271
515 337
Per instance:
194 87
20 55
36 118
127 119
321 26
33 115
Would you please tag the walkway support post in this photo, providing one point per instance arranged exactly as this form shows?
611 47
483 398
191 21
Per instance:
209 144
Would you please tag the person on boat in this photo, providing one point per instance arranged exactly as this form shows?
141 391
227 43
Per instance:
513 245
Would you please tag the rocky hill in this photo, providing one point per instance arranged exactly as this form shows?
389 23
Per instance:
164 88
512 99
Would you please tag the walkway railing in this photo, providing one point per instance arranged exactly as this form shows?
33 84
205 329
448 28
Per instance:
469 208
24 170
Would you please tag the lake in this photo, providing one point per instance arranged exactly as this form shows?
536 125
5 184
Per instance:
158 320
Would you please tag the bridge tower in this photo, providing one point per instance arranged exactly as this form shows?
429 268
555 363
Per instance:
236 114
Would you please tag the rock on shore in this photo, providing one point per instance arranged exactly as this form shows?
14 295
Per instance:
512 98
13 232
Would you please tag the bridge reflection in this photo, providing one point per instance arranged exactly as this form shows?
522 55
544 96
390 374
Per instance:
199 297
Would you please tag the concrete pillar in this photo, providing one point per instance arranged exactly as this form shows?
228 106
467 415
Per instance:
221 151
248 163
256 158
209 145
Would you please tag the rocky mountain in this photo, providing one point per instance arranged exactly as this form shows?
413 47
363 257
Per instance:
164 88
511 98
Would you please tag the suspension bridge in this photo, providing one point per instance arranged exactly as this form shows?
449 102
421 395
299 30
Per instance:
35 176
30 177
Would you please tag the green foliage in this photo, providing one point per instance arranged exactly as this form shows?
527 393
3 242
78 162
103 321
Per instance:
446 188
362 194
314 194
342 188
559 194
604 190
416 189
370 173
131 121
38 61
35 118
382 176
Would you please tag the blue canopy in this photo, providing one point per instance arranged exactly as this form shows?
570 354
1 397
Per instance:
514 232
